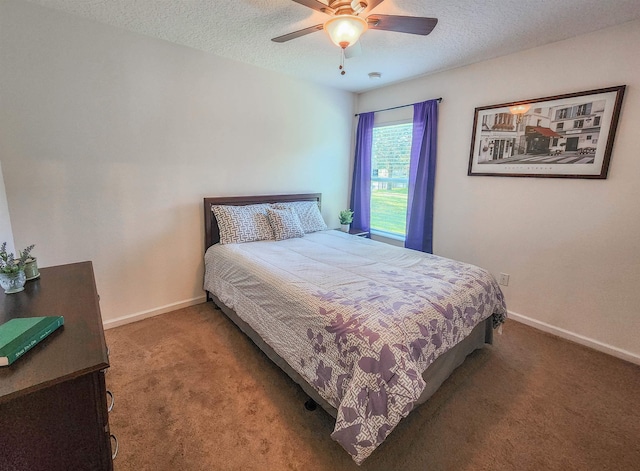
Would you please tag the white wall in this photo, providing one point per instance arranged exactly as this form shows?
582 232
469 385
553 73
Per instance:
572 247
110 140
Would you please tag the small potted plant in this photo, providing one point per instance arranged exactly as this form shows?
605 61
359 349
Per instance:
346 218
12 277
31 268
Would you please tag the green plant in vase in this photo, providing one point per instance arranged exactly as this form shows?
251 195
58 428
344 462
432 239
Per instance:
31 268
12 276
346 218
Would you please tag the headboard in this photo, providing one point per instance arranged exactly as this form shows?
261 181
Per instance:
211 231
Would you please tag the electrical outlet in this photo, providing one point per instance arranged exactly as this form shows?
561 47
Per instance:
504 279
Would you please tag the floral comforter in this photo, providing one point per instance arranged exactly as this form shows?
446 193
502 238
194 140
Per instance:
358 319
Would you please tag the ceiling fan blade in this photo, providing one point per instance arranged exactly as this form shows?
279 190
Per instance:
371 4
402 24
317 6
354 50
297 34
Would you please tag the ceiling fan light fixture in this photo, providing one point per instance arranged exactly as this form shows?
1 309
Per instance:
358 6
345 30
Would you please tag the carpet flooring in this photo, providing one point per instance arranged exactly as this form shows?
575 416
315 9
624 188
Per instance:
192 392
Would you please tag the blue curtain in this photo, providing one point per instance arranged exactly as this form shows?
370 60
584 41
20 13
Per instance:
361 183
422 175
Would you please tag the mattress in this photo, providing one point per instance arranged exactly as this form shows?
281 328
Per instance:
358 320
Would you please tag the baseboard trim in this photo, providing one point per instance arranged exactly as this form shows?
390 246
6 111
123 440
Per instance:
543 326
577 338
138 316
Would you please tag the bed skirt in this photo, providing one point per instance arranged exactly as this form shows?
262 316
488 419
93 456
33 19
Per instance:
434 376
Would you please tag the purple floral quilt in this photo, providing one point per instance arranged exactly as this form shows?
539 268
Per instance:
358 319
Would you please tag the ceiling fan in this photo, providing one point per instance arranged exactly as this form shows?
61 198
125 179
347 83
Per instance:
347 23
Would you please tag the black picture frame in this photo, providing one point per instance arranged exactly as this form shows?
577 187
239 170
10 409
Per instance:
562 136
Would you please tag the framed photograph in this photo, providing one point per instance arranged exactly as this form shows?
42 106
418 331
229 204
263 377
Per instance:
566 136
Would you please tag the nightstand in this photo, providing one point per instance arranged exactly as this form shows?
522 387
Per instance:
357 232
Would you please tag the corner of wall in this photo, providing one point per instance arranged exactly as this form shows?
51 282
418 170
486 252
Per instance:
6 232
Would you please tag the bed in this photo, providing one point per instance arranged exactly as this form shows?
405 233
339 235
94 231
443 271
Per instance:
368 330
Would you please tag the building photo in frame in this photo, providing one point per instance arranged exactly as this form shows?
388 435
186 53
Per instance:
568 136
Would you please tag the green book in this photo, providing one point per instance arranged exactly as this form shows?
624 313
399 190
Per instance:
19 335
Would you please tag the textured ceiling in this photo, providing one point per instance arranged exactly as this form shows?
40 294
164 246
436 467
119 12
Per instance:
468 31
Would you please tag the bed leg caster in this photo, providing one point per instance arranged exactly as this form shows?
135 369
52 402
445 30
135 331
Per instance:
310 405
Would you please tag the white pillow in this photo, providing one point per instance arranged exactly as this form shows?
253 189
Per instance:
239 224
308 212
285 223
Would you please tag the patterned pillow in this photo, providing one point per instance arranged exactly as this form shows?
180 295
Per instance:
285 223
308 212
239 224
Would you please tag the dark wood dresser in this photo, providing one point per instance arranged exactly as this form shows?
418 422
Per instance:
53 400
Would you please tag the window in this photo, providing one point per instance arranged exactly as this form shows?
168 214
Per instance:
584 109
485 126
596 121
503 122
559 126
390 156
578 123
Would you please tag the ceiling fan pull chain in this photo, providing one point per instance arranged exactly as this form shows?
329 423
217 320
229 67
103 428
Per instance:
341 68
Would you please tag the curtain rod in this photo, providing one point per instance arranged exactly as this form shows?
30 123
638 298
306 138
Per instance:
395 107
